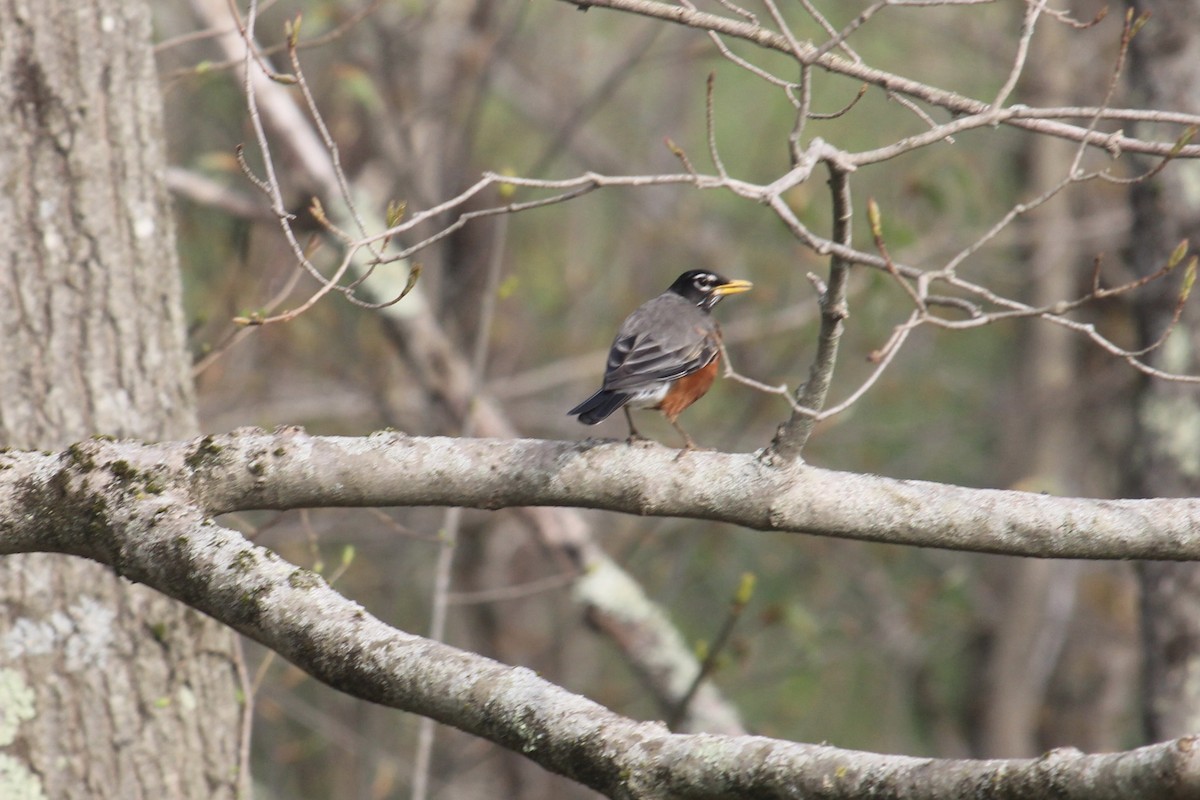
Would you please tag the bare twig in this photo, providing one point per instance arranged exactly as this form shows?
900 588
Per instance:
738 605
876 222
733 374
862 92
517 592
215 32
882 358
1033 9
797 49
838 38
1028 119
711 127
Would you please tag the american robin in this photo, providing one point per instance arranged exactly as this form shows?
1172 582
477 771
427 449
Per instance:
665 354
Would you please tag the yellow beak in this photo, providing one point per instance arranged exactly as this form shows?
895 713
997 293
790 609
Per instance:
733 287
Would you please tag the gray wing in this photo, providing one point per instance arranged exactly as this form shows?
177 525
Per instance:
681 340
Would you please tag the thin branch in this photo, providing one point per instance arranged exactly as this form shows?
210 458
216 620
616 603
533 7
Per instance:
738 605
331 148
245 783
789 441
950 101
269 185
882 358
838 38
711 127
1127 33
803 106
234 337
1033 9
216 32
796 48
741 12
733 374
518 591
876 223
750 67
862 92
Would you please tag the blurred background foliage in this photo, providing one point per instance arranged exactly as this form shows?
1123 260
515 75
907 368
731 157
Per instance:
862 646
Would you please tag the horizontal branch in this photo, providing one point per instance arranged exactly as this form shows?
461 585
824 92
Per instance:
253 469
130 506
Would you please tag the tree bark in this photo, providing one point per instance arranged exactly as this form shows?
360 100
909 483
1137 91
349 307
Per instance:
106 689
150 532
93 487
1165 459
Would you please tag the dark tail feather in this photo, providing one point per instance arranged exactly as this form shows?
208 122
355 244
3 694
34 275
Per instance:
598 406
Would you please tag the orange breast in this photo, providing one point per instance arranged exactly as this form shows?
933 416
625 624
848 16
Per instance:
688 390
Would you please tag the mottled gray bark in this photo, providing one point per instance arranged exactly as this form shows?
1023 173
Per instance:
1165 461
106 689
95 485
152 530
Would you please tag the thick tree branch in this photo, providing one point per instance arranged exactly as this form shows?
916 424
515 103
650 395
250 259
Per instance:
126 505
252 469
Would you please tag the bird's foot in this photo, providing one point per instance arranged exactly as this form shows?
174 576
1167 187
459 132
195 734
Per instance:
691 447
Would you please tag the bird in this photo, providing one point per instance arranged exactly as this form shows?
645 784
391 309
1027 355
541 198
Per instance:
665 353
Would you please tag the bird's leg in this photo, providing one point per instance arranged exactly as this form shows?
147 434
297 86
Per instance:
633 431
688 444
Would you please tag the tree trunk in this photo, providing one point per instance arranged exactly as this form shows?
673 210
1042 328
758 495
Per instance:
107 689
1165 459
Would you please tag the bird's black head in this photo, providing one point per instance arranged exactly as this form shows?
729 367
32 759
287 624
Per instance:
705 288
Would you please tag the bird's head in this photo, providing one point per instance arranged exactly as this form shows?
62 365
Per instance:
705 288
